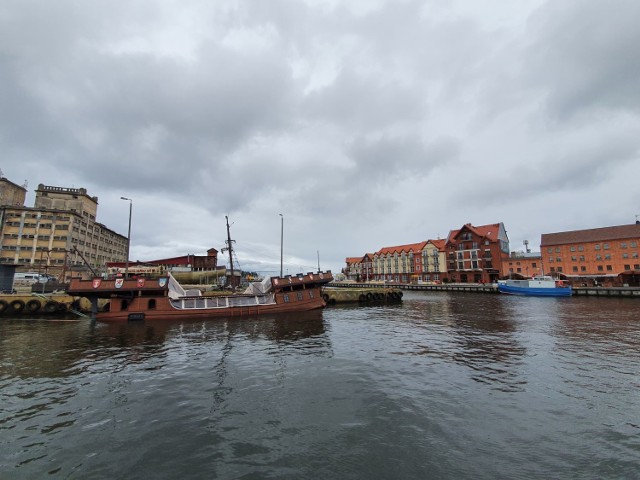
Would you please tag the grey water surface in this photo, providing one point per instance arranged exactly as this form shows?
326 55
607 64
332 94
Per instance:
442 386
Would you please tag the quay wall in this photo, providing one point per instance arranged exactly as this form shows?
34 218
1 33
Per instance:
628 292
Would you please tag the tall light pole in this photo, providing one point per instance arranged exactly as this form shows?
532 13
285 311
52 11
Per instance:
281 241
126 268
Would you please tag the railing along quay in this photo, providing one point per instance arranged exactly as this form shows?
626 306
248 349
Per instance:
629 292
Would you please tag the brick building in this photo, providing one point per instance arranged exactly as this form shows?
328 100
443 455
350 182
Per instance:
188 263
522 264
476 253
598 254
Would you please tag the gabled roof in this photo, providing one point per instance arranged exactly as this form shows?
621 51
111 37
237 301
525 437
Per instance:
490 231
412 247
620 232
354 259
439 244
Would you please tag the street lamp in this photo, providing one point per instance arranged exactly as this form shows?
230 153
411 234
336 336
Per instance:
126 268
281 241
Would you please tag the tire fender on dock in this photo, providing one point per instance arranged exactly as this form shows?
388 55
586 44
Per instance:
33 306
16 306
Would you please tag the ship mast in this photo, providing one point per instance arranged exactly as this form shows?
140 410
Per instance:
229 247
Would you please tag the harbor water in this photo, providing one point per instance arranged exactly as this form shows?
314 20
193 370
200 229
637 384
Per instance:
440 386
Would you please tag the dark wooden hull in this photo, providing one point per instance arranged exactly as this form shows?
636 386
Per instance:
138 309
151 299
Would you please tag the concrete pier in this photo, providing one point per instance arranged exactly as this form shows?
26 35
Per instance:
348 293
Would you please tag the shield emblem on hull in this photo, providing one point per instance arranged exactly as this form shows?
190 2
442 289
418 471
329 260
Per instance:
162 282
141 282
96 282
119 282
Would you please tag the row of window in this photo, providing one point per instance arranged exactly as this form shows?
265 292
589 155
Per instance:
598 257
600 268
597 246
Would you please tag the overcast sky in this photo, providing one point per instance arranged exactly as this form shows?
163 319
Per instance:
366 123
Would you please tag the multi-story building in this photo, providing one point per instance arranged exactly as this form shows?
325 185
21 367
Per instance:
11 195
399 263
353 269
434 265
524 264
476 253
59 232
599 253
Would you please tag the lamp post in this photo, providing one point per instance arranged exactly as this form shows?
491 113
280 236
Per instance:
281 241
126 268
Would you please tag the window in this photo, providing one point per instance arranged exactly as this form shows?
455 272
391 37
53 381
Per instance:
625 255
627 267
605 246
633 244
286 298
558 259
623 245
600 268
549 250
574 258
299 296
581 248
557 249
559 269
597 247
609 268
575 268
583 268
311 294
598 257
582 258
572 248
534 265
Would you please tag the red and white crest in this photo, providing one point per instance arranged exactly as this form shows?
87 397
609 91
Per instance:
119 282
141 282
96 282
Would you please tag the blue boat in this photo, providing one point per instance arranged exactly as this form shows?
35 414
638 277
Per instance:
541 286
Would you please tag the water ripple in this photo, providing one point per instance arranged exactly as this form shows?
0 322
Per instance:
440 386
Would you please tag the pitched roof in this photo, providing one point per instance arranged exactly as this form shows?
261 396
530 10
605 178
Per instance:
412 247
354 259
439 244
490 231
603 234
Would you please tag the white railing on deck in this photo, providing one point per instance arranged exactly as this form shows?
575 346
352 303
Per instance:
210 303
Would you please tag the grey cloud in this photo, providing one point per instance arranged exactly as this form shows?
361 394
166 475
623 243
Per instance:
585 56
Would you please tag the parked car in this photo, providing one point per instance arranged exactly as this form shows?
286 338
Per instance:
31 277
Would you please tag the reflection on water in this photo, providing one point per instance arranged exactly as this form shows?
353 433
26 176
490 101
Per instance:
440 386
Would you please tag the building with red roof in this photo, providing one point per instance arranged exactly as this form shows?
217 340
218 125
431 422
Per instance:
475 254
